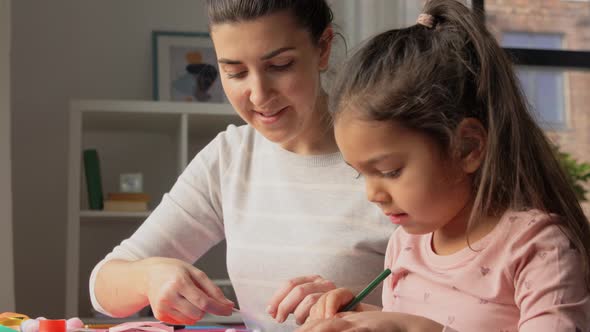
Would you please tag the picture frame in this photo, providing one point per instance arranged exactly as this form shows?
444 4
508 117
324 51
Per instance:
185 68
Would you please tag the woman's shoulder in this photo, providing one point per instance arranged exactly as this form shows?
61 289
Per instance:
233 140
236 135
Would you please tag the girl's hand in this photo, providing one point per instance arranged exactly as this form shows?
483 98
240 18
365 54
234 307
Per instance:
297 296
372 321
179 293
328 304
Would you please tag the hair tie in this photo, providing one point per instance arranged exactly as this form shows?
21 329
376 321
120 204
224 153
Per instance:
426 20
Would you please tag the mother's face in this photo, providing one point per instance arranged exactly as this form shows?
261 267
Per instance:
270 69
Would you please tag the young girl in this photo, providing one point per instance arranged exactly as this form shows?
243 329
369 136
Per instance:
492 237
276 189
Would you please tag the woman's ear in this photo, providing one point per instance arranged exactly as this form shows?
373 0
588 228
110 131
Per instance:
471 138
325 44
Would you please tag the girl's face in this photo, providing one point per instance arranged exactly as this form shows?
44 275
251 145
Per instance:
406 174
270 70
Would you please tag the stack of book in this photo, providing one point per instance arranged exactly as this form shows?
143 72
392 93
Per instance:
126 202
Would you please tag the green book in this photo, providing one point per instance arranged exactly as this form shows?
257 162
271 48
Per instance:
93 182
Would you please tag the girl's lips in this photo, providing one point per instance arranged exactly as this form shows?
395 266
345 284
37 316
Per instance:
397 218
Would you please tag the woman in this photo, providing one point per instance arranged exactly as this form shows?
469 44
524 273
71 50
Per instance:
276 190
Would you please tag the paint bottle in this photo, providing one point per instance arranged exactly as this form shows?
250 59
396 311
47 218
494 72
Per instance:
52 325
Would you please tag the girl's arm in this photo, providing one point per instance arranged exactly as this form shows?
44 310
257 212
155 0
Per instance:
550 290
374 321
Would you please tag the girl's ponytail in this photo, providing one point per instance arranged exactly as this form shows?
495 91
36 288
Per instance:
521 170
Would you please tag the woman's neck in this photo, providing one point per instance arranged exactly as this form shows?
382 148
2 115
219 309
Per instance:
318 137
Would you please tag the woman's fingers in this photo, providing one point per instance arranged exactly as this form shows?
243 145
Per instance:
170 315
209 287
200 300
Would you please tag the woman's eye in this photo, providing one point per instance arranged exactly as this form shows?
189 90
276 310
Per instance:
358 175
283 66
236 75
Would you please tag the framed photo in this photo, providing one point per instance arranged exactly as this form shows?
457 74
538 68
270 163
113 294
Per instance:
185 67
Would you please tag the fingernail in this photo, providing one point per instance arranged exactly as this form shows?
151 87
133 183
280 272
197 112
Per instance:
270 311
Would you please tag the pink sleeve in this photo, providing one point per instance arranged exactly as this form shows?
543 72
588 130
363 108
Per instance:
550 289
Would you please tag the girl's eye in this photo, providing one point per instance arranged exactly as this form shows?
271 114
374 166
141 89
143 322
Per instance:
392 174
358 175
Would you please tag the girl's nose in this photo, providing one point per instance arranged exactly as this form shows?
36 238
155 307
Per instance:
375 192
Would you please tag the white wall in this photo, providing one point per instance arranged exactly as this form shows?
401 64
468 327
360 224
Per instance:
361 19
6 249
70 49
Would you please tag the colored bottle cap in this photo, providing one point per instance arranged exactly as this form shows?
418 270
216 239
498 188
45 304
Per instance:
52 325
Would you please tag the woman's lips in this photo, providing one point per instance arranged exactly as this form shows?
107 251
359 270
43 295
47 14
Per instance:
270 117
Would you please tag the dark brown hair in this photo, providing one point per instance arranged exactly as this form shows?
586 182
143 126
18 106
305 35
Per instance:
430 79
313 15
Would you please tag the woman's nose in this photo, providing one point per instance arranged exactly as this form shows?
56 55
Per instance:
261 91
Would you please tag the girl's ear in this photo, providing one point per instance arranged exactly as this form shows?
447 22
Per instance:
325 45
471 139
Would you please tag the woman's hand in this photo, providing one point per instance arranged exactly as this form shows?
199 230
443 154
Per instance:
179 293
372 321
297 296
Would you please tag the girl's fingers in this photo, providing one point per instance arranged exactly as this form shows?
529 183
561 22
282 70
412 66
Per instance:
298 294
336 300
302 311
285 289
328 325
317 310
344 314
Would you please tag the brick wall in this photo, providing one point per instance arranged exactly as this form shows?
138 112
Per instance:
571 19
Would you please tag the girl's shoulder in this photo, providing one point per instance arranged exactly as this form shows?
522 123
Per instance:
532 230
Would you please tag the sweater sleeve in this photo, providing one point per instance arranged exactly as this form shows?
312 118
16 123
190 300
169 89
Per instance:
550 289
189 219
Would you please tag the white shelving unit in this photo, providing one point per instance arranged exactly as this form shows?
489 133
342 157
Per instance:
157 139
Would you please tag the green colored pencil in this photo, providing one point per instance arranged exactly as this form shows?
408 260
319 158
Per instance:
361 296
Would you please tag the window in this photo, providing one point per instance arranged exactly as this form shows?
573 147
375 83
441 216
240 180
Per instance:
543 86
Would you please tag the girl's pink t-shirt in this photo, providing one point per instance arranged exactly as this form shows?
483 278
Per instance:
523 276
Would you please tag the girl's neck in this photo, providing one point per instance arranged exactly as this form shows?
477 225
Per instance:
453 237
